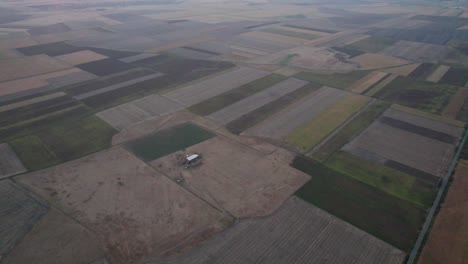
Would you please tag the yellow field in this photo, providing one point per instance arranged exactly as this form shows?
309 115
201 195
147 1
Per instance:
309 135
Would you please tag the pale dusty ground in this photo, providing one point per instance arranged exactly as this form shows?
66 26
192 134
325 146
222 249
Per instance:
366 82
30 83
234 177
377 61
438 73
274 38
9 162
136 212
296 233
81 57
402 70
456 103
28 66
417 51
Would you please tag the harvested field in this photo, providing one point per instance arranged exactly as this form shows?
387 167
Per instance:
138 57
447 239
429 116
349 131
290 33
250 190
387 217
262 113
59 239
403 143
257 100
128 114
423 71
456 103
199 91
456 76
122 85
113 188
437 36
369 80
218 102
417 51
421 95
438 74
27 102
283 123
380 85
62 141
70 79
81 57
50 29
260 44
337 80
50 49
9 163
19 211
384 178
314 230
167 141
14 43
404 70
29 66
378 61
105 67
350 52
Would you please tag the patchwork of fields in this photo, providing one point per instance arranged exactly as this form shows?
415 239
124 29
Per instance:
325 130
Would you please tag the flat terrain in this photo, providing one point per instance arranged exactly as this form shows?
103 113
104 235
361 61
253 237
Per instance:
113 188
296 233
250 190
9 163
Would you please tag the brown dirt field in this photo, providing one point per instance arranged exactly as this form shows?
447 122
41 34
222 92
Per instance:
57 239
17 43
31 101
366 82
402 70
318 33
329 38
180 43
137 213
234 177
274 38
448 239
71 35
29 83
456 103
29 66
81 57
377 61
438 73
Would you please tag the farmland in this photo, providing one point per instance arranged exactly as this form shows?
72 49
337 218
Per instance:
324 129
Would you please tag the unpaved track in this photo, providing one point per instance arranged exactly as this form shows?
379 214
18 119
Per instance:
297 233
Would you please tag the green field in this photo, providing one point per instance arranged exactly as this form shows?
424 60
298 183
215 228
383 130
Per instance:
386 179
289 33
387 217
351 130
63 141
422 95
336 80
372 44
167 141
309 135
220 101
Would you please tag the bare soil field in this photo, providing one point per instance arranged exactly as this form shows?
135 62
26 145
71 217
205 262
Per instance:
113 189
9 162
447 241
199 91
403 146
306 31
438 73
257 100
19 211
34 100
28 66
417 51
58 239
297 233
128 114
14 43
256 188
377 61
286 121
365 83
81 57
456 103
30 83
379 86
404 70
275 38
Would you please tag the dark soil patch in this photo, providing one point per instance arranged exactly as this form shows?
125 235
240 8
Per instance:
50 29
115 54
351 52
423 71
105 67
420 175
456 76
51 49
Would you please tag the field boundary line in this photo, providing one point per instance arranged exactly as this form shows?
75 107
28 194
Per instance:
432 212
339 128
